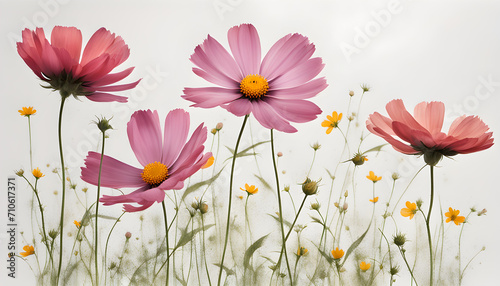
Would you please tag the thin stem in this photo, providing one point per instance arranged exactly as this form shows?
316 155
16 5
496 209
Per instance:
166 238
106 247
97 210
31 150
280 209
45 238
310 168
427 222
230 198
407 265
61 222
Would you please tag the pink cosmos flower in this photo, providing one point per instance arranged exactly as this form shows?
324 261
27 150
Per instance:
274 90
422 131
166 160
59 64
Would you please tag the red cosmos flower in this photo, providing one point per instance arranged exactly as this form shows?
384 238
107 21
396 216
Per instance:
167 160
274 90
59 64
422 131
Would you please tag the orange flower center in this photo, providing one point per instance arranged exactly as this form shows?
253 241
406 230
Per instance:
154 173
254 86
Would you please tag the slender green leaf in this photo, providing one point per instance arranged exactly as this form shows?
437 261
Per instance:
264 182
198 185
328 257
247 149
250 251
287 223
188 236
375 149
356 243
228 271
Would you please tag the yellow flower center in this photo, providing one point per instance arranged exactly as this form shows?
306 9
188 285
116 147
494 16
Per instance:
453 217
254 86
154 173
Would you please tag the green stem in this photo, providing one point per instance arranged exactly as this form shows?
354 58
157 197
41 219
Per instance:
280 209
231 197
45 238
31 150
97 210
427 222
63 171
106 247
166 238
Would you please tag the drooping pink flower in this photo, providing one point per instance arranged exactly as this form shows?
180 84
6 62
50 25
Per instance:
422 131
166 160
274 90
59 64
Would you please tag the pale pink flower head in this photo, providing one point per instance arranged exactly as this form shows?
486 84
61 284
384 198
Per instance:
273 89
421 133
167 160
58 62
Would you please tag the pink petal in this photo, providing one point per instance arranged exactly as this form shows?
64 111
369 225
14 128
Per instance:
414 137
175 135
222 59
131 208
144 134
68 39
397 111
112 78
175 182
301 74
295 110
153 195
119 87
133 197
239 107
191 150
285 54
211 70
467 127
51 65
245 46
269 118
303 91
380 121
114 174
430 115
98 44
32 64
208 97
396 144
105 97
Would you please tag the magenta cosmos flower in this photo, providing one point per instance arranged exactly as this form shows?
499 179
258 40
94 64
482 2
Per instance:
166 160
274 90
422 131
58 63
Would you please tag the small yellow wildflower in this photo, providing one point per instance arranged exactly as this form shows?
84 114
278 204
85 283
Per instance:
27 111
301 251
410 210
374 200
332 121
364 266
77 223
37 173
240 197
373 178
209 162
453 216
337 253
29 250
251 190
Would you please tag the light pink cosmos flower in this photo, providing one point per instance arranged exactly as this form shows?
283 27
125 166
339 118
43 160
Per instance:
274 90
166 160
422 131
59 64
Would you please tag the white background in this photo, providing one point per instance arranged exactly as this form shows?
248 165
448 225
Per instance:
417 51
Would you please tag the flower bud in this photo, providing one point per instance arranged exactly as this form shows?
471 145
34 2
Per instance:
351 93
310 187
358 159
419 203
20 172
213 131
195 205
128 235
394 270
483 212
279 154
103 124
345 206
286 189
395 176
346 193
315 206
316 146
219 126
399 239
203 208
